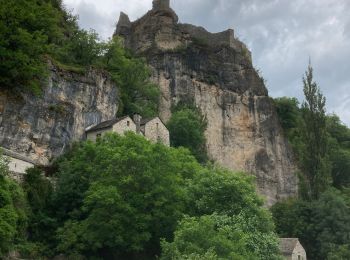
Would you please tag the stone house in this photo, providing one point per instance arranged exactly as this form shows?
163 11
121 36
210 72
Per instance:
117 125
291 249
152 129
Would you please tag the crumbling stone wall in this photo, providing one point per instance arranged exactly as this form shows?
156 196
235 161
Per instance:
161 4
211 39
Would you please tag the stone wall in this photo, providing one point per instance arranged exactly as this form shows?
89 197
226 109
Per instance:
18 166
211 39
161 4
155 131
298 253
126 124
93 135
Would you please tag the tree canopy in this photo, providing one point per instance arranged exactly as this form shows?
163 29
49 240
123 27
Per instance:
186 127
124 197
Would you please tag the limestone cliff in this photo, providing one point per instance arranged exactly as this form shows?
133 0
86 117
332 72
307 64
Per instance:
42 127
216 72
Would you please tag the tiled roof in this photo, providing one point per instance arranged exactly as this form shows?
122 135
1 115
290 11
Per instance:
146 120
106 124
287 245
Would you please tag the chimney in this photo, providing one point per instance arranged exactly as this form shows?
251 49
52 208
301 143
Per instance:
137 120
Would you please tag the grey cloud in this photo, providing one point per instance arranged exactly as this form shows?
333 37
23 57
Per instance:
282 35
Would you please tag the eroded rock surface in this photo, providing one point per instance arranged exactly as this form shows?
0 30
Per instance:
216 72
42 127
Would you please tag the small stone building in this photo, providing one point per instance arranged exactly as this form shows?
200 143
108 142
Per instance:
118 125
291 249
152 129
18 164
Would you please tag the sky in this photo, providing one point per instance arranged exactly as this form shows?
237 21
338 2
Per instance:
283 36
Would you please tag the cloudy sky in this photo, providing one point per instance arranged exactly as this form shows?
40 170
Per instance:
282 35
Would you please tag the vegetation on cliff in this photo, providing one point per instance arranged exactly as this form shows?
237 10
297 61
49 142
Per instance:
121 196
186 127
321 217
33 31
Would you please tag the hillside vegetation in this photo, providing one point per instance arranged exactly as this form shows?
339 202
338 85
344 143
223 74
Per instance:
35 31
126 198
321 217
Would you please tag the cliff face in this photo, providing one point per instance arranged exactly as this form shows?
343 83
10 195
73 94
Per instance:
42 127
216 72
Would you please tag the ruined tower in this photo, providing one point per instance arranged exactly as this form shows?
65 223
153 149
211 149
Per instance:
161 4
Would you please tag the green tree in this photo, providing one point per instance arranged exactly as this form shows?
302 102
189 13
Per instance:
186 127
23 43
321 225
122 194
224 192
38 191
314 161
33 30
12 211
138 94
218 191
339 253
339 151
288 112
84 49
207 237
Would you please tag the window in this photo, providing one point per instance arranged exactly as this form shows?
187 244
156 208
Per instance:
128 123
98 135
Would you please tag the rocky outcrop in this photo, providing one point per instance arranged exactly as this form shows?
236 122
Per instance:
215 71
42 127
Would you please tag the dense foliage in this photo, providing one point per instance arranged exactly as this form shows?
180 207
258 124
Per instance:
321 217
131 74
30 29
186 127
120 197
322 225
35 31
12 211
226 221
220 237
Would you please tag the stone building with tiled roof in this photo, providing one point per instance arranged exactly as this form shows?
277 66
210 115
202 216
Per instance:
291 249
152 129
